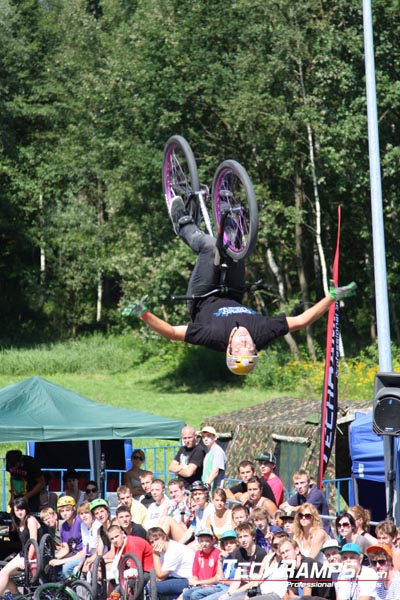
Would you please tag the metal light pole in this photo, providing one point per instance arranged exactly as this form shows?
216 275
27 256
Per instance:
381 295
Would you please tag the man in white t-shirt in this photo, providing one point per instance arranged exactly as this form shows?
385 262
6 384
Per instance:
355 582
214 460
173 563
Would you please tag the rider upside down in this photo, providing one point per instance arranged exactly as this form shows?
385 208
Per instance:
224 323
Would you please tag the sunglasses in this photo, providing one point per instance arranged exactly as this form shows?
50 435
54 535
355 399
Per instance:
305 516
89 490
380 561
137 457
340 525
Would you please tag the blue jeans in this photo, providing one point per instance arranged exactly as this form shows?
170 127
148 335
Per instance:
196 593
172 587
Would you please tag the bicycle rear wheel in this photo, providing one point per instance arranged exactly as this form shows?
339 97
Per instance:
233 192
131 577
179 175
99 579
54 591
47 551
82 589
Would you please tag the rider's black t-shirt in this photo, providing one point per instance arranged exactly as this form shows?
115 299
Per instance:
216 317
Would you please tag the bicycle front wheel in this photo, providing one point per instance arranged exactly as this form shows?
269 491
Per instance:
233 193
82 589
179 174
33 563
54 591
131 576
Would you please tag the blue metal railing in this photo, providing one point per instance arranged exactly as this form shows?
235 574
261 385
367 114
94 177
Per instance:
157 460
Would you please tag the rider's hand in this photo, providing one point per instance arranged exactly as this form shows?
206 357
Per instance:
136 309
338 293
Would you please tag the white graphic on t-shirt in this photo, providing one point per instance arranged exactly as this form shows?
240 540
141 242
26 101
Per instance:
226 311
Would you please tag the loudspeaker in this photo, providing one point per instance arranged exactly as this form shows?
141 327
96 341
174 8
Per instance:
386 409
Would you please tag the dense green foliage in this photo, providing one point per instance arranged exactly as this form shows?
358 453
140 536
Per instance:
90 92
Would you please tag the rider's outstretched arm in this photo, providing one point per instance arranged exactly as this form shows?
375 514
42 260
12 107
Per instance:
139 309
171 332
312 314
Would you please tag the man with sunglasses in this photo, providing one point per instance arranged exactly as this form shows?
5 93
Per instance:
91 491
307 492
381 560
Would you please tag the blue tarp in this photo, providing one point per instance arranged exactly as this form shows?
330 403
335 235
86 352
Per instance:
366 449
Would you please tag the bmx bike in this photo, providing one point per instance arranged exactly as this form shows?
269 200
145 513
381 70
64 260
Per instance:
234 204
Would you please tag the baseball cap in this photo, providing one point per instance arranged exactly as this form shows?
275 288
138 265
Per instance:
380 548
205 531
267 457
331 543
207 429
230 533
351 548
287 515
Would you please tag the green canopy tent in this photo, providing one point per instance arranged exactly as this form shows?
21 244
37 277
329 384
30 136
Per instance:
38 410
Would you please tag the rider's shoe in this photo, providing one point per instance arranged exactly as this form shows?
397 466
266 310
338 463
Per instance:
178 214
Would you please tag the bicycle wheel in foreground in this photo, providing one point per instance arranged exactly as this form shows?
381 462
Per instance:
232 192
33 563
131 577
179 174
82 589
54 591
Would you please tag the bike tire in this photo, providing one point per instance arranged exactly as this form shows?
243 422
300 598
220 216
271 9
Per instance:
47 550
180 176
152 585
233 191
99 579
33 566
82 589
131 586
54 591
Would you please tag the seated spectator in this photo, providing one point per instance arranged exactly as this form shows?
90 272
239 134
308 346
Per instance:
188 463
124 518
309 533
100 510
267 465
172 563
27 527
157 513
146 479
347 533
273 557
138 510
50 518
331 550
381 560
71 553
386 533
239 492
249 557
71 489
200 496
215 459
240 514
47 498
256 499
91 491
89 529
132 477
287 520
178 508
306 576
273 582
306 491
206 570
362 518
125 544
265 531
355 580
220 520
